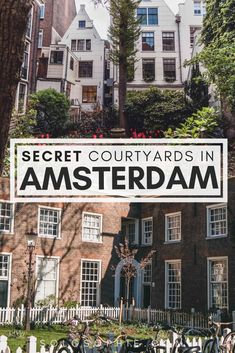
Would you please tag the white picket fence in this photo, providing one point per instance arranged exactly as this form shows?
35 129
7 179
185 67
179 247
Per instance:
56 315
32 345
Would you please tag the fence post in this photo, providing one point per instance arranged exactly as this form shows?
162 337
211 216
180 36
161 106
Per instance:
22 313
169 318
149 314
31 345
3 343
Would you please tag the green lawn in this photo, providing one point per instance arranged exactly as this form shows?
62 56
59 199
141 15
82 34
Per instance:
48 335
18 338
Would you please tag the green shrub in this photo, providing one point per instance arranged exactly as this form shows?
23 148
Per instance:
154 109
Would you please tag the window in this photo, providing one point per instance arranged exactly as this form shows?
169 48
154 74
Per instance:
168 41
57 57
169 70
173 227
81 24
147 231
49 222
71 65
47 273
92 227
218 283
199 7
25 65
193 30
29 24
217 221
148 41
85 68
21 98
147 279
40 38
6 217
90 280
147 16
73 45
42 12
130 230
4 279
89 94
173 284
148 70
88 44
81 44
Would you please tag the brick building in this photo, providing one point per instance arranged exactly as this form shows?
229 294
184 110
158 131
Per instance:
193 266
27 82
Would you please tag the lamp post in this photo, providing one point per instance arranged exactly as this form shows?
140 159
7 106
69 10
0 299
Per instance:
30 248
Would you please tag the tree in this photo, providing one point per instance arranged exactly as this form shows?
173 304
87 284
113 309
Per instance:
13 23
218 53
123 32
52 111
197 88
129 271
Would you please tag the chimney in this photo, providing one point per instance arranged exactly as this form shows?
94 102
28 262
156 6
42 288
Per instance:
82 7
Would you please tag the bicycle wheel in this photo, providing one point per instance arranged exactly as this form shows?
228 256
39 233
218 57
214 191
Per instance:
209 346
229 342
63 346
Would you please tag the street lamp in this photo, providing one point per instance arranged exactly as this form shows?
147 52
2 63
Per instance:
30 248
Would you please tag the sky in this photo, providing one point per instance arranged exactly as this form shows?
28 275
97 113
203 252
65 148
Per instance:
100 15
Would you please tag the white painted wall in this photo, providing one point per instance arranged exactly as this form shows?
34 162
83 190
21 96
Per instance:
44 84
188 19
96 54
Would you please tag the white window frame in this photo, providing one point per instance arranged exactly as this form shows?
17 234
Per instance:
42 12
57 270
136 221
143 233
9 276
31 15
99 281
202 8
167 262
167 215
216 258
59 223
11 231
40 38
101 225
25 97
221 205
144 282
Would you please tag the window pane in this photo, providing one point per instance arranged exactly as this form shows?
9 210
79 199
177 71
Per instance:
6 216
142 15
73 44
57 57
81 24
149 70
218 221
90 283
169 69
89 94
148 41
49 222
85 68
168 41
91 227
173 285
152 16
218 284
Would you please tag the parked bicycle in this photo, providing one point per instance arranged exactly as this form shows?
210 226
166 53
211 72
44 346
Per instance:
212 345
80 341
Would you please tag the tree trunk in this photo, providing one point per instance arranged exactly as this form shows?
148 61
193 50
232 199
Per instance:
13 23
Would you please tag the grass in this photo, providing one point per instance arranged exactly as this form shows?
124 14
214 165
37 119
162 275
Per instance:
46 335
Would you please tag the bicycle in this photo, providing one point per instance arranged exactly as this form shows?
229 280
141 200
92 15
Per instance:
212 345
77 340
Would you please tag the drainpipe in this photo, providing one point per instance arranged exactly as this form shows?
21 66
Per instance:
178 20
66 72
